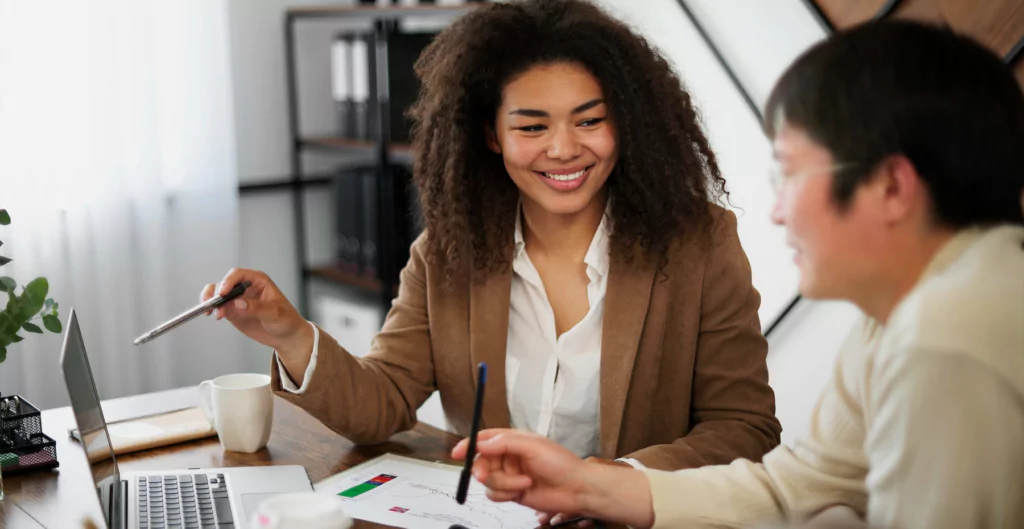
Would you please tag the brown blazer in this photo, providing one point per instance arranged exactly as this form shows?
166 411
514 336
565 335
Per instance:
683 376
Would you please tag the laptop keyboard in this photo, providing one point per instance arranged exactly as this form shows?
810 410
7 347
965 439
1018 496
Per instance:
183 502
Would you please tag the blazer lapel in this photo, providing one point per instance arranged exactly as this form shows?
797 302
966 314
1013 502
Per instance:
488 339
626 302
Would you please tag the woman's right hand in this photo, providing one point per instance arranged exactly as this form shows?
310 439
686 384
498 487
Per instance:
262 313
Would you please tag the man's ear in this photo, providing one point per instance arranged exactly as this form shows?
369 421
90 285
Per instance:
491 137
901 189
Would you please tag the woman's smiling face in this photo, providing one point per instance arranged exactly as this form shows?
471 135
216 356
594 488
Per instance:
554 133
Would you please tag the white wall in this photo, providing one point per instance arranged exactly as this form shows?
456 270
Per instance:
758 37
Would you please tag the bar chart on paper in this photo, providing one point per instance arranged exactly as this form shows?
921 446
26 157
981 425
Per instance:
405 492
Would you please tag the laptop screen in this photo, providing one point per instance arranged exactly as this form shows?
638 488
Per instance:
85 402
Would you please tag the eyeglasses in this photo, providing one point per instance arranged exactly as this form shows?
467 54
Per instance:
779 179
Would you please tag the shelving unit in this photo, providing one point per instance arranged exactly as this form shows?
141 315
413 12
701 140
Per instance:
385 154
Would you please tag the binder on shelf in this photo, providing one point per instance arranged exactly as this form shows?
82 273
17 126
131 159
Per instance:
361 86
348 231
369 246
341 84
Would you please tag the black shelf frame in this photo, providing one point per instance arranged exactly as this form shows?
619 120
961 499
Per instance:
384 153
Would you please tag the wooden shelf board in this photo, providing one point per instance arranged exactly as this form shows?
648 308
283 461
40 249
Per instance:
344 277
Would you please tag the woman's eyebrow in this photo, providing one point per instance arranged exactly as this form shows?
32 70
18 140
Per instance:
535 113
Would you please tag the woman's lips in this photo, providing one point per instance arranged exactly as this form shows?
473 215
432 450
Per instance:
563 180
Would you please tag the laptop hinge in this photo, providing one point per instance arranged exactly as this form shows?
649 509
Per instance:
119 505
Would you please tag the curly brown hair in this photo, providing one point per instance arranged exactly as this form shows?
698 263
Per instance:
665 175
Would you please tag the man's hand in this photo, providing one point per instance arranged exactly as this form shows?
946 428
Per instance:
537 472
562 517
526 468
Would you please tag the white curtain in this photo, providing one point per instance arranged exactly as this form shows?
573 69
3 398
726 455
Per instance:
117 165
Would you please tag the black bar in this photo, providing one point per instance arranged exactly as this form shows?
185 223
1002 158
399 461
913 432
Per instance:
1015 53
296 159
721 61
887 8
782 315
278 185
819 17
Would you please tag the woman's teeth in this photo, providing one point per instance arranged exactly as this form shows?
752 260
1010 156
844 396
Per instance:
566 177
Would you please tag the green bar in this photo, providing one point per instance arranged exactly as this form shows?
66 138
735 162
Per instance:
357 490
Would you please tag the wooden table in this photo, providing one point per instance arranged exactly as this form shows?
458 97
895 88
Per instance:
65 498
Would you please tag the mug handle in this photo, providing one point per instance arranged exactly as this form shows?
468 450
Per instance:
206 401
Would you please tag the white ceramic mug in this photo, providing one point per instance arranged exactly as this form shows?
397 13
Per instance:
241 408
301 510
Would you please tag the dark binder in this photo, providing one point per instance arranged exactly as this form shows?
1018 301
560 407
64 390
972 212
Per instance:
370 208
348 231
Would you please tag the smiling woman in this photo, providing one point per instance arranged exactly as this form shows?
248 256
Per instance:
572 243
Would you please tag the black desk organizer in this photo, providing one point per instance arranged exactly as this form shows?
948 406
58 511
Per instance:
23 445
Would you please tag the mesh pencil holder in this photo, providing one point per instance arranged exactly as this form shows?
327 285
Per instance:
23 445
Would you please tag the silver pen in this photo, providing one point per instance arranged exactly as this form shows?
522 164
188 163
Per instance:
189 314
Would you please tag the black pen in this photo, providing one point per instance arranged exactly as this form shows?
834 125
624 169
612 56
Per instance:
184 317
467 469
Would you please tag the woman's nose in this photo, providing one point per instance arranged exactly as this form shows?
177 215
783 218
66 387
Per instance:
564 145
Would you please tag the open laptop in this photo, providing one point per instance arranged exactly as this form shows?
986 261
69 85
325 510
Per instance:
177 498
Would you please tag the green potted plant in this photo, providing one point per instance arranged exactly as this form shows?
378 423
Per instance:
20 313
22 310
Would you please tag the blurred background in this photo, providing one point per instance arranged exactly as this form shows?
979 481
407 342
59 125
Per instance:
146 147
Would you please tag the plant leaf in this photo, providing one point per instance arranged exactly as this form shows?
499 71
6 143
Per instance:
16 338
7 323
31 327
52 324
3 354
5 218
33 297
6 339
48 305
4 260
8 284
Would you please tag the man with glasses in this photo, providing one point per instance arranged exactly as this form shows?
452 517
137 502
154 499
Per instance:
899 180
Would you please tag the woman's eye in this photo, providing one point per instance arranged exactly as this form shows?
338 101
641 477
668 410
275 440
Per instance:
532 128
591 122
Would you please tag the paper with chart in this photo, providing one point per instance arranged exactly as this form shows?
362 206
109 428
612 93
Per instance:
404 492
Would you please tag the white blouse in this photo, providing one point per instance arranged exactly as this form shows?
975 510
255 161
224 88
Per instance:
553 381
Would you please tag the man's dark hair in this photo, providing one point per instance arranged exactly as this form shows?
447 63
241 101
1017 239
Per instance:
940 99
